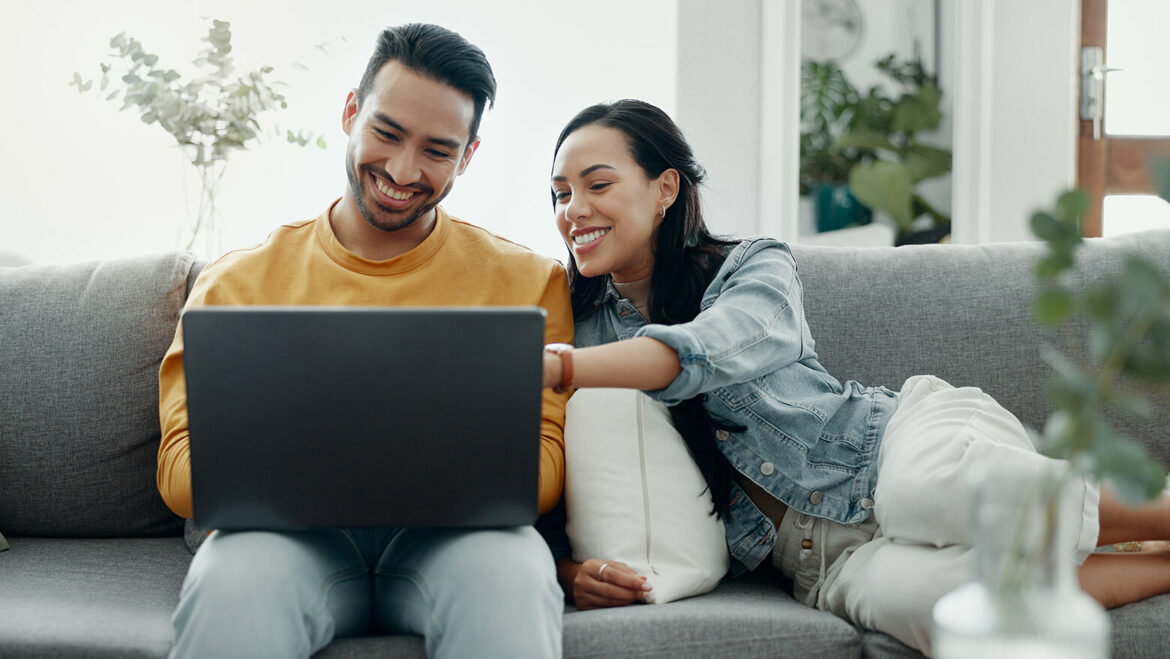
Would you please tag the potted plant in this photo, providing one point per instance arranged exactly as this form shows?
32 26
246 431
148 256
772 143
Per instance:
828 102
1025 600
884 132
209 115
860 152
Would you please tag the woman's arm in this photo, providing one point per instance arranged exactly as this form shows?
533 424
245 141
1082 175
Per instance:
640 363
754 326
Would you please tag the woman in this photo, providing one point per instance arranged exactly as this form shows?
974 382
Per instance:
793 458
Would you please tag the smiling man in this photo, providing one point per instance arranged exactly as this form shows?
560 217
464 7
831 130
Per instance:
413 128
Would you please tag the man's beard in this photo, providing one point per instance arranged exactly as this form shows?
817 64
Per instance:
389 220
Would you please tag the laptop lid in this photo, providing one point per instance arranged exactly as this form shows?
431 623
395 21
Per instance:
351 416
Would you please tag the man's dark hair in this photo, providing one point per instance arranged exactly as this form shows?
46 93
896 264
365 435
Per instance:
439 54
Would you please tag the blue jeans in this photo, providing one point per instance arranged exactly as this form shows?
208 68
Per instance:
469 592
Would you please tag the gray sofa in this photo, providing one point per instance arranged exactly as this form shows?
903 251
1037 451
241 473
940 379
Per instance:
96 560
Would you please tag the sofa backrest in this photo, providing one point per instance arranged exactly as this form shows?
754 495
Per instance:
80 347
962 312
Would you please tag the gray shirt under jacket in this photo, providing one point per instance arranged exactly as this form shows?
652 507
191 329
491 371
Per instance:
807 440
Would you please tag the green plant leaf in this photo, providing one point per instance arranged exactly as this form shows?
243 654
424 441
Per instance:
885 186
1071 205
1127 466
926 162
1053 306
1134 406
864 139
321 142
917 112
1054 263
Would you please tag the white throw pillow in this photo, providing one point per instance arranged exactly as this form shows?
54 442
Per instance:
634 494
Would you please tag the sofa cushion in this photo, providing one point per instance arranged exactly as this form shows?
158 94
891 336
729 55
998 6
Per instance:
749 617
634 495
80 347
92 598
961 312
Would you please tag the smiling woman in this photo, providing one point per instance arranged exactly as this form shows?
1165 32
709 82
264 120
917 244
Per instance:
607 209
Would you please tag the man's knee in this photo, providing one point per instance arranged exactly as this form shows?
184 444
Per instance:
497 570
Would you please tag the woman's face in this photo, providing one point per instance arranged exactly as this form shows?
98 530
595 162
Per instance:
607 209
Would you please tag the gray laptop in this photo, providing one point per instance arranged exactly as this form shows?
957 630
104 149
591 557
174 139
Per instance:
345 416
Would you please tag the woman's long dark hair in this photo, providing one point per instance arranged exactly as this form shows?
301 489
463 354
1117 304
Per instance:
686 257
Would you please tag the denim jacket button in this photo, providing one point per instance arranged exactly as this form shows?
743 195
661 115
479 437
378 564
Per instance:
767 469
814 498
867 503
722 435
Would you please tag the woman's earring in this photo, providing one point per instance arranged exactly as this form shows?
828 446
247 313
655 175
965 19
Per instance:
663 213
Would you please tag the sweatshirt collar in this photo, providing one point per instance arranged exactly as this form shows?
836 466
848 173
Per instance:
417 256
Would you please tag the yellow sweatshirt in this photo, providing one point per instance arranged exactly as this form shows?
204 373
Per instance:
303 263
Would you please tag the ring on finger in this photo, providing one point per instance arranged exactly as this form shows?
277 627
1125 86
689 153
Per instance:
601 570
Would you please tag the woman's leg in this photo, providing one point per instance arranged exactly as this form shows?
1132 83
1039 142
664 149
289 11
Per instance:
937 445
1117 579
892 587
1122 523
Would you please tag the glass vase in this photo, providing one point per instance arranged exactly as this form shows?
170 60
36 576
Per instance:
1024 600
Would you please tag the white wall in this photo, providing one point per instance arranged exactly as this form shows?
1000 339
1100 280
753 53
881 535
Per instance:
1033 111
80 181
737 66
718 104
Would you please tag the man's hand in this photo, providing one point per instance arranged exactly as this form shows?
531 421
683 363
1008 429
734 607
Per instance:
598 584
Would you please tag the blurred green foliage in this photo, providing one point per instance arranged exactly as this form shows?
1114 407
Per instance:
870 140
1127 356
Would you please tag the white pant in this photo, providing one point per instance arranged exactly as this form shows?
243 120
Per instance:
887 573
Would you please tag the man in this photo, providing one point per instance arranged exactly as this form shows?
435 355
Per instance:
412 126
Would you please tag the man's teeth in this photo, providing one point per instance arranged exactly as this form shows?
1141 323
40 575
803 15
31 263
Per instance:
586 238
389 192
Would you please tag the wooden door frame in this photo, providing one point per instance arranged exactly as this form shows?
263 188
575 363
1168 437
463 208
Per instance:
1111 164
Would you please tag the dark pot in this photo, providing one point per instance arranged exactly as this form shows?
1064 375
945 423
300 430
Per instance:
837 208
923 236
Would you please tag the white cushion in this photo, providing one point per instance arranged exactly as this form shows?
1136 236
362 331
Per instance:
634 494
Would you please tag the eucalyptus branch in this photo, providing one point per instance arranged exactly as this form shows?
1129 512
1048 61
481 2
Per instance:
210 114
1124 314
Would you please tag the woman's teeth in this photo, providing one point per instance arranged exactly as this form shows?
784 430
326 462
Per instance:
389 192
586 238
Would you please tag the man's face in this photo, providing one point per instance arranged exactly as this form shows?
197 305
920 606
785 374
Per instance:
407 143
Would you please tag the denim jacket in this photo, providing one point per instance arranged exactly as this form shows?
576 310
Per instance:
807 440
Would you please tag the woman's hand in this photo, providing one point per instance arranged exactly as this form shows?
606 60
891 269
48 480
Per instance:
597 584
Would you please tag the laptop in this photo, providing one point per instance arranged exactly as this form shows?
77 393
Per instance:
305 417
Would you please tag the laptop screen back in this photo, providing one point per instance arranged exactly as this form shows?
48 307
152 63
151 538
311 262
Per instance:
323 416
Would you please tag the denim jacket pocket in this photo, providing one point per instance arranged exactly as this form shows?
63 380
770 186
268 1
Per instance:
837 452
736 397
